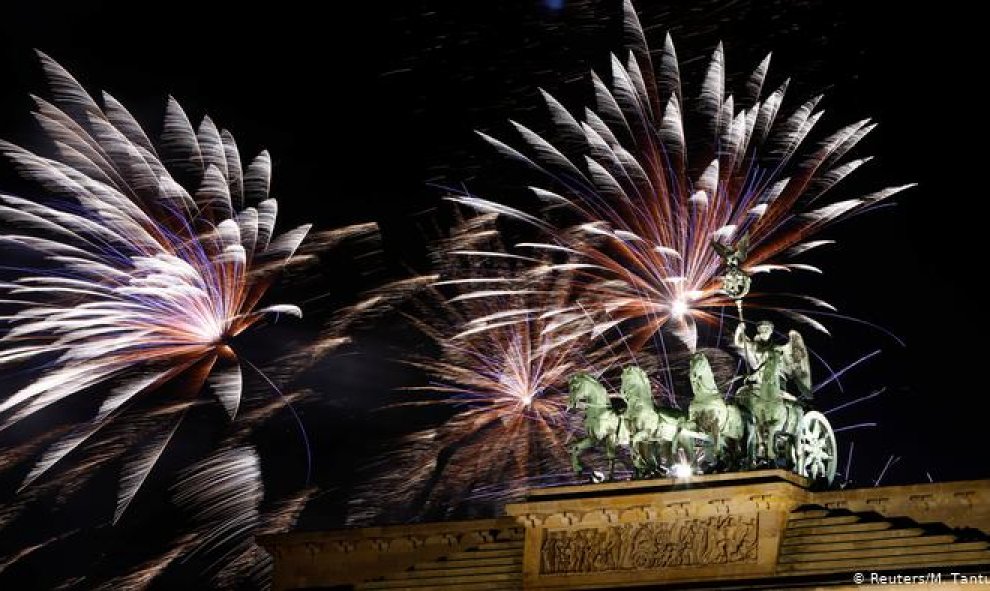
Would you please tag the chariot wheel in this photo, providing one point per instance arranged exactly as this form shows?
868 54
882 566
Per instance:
817 453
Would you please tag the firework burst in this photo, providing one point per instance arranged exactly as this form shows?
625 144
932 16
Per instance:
144 264
501 364
640 202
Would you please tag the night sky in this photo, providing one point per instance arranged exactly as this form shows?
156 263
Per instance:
369 110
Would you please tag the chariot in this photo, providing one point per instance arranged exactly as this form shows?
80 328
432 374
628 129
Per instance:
760 426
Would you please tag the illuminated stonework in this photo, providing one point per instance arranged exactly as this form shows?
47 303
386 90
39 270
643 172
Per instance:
752 529
689 543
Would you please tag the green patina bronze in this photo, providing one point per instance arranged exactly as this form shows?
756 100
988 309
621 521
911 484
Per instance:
604 425
767 423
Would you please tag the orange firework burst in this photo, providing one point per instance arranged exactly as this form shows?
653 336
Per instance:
641 204
502 363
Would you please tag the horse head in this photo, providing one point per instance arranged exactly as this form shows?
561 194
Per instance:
636 387
585 390
702 379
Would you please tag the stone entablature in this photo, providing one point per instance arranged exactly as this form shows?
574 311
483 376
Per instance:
956 504
679 530
761 526
320 559
725 539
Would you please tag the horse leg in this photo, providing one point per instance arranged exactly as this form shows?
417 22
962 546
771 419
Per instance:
648 456
576 449
687 442
715 444
780 438
675 446
610 456
730 454
640 461
754 445
640 448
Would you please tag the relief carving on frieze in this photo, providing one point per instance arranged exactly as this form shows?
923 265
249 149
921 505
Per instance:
721 539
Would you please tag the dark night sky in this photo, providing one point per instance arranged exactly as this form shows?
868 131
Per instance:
365 105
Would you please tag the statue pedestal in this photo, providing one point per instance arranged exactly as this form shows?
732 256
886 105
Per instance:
715 527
